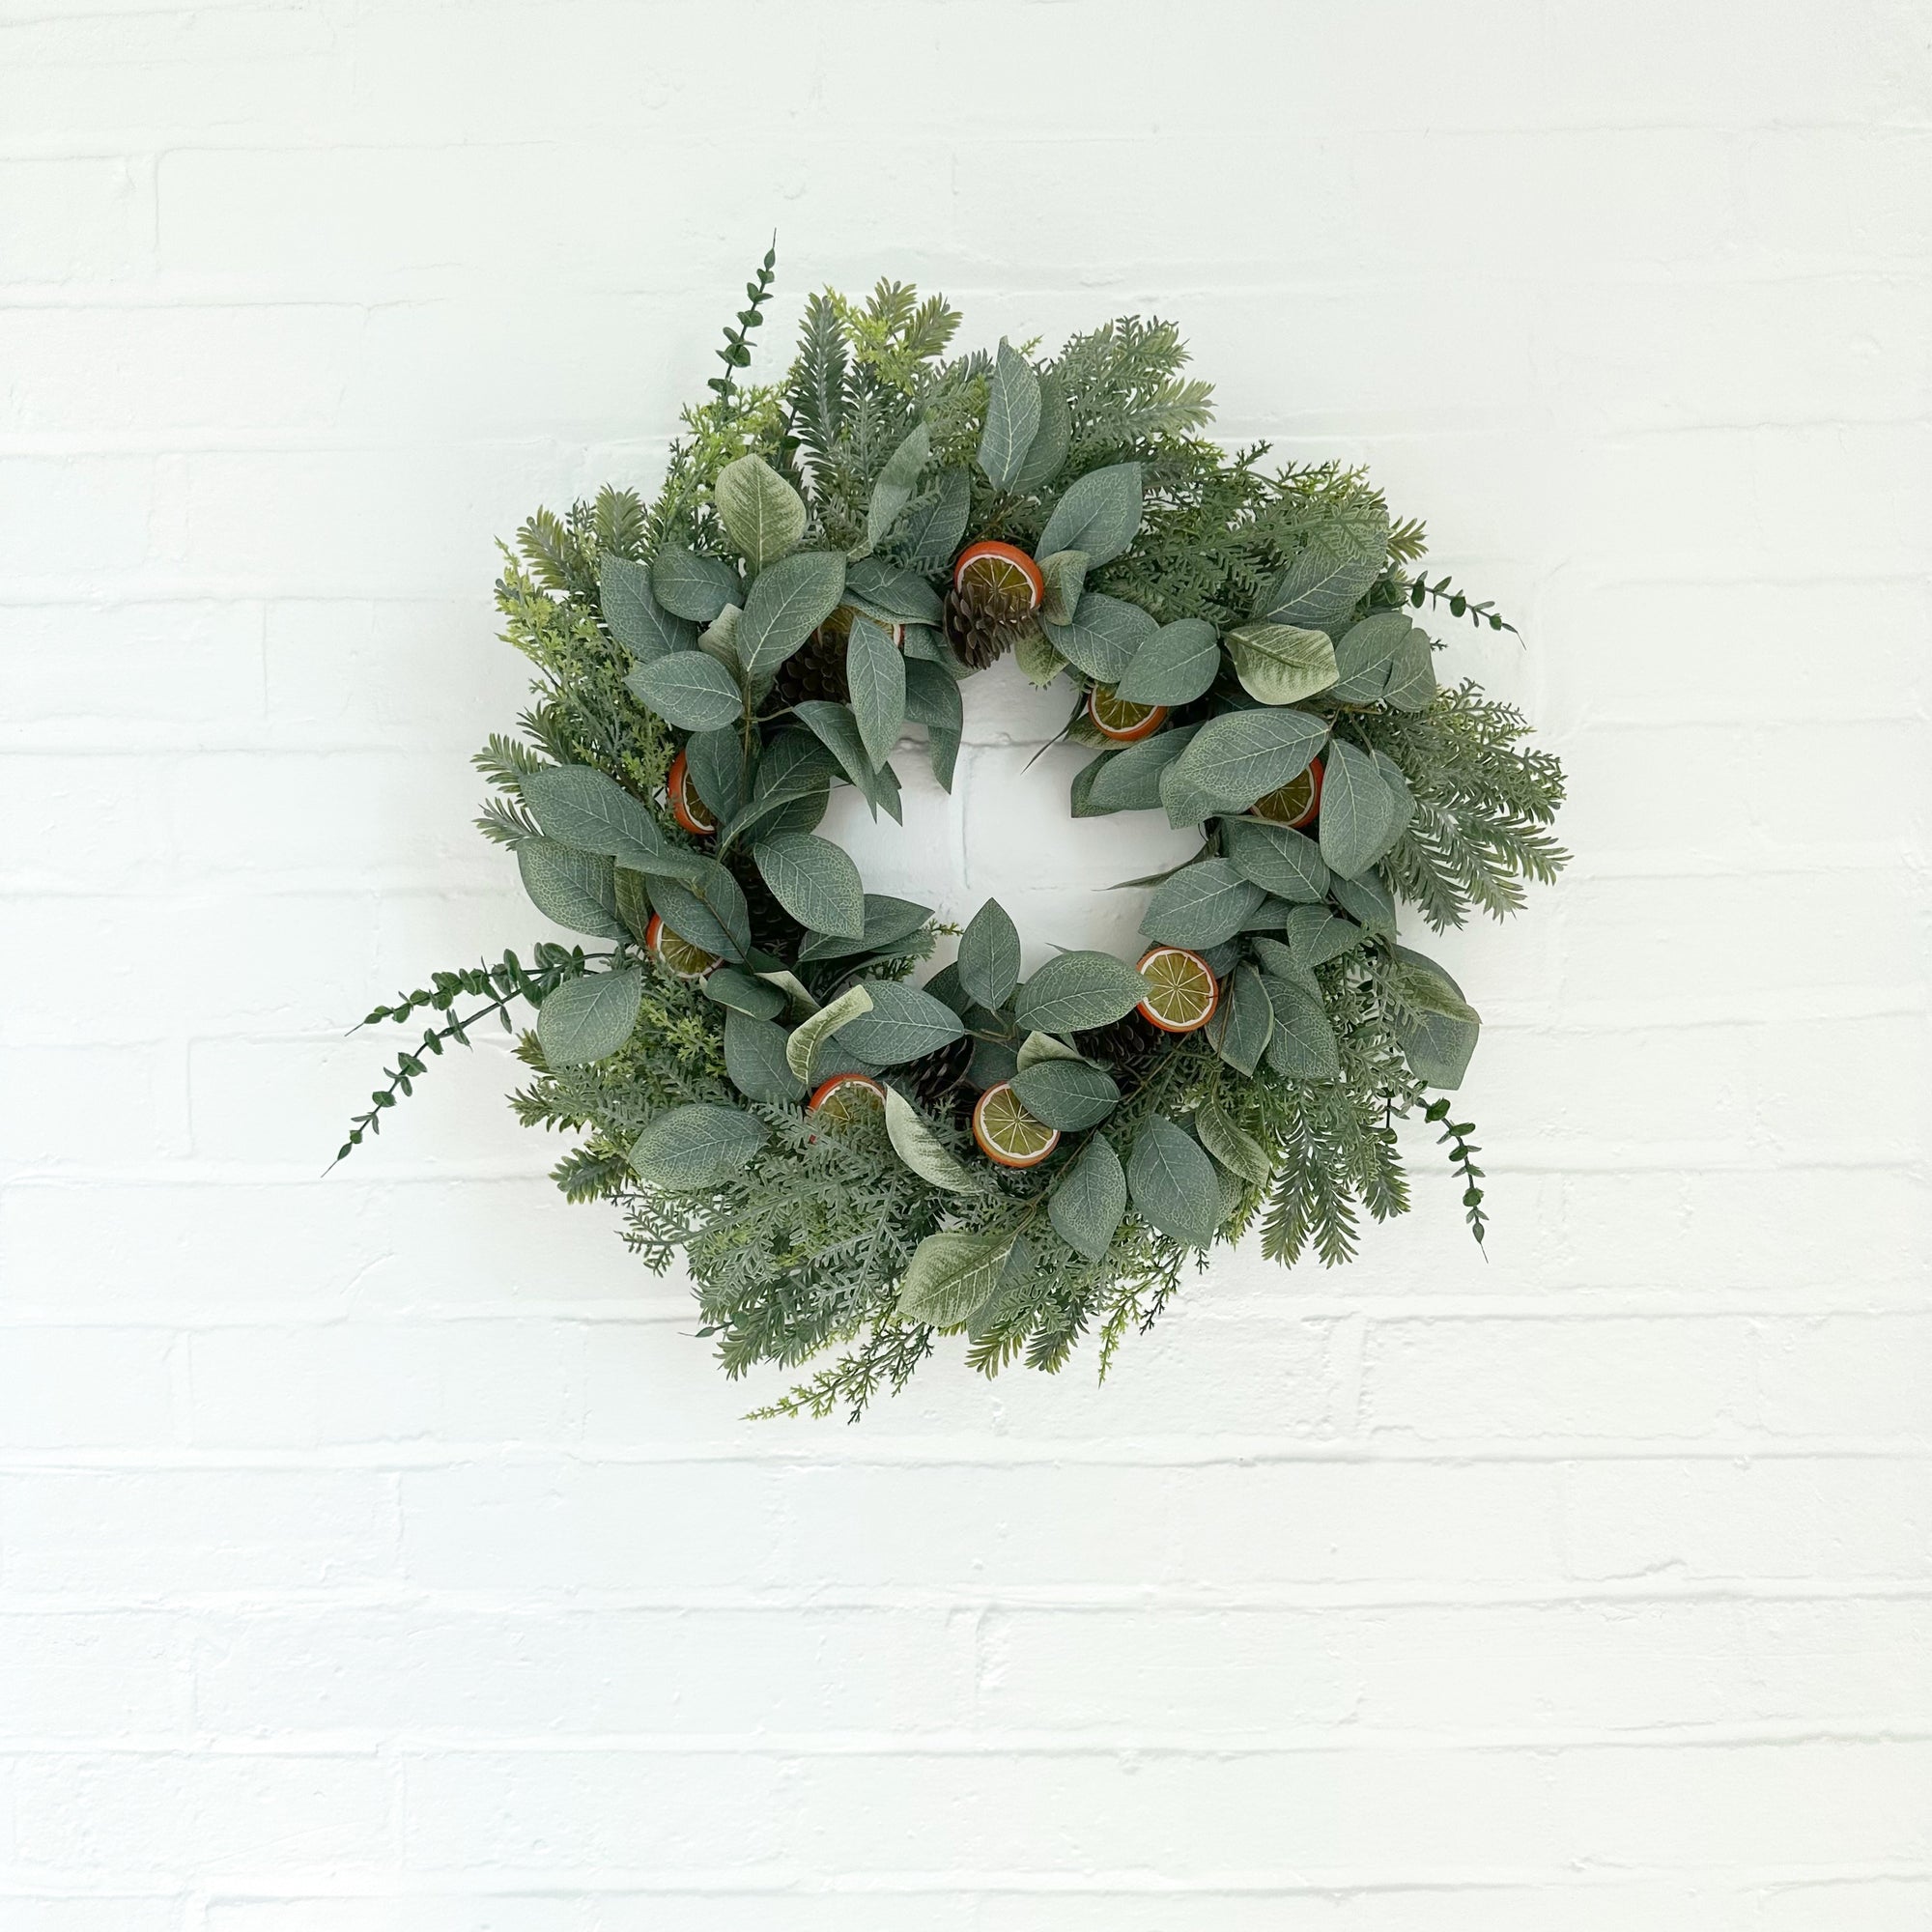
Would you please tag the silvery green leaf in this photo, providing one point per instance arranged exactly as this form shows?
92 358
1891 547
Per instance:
921 642
1411 683
893 490
754 1059
1099 514
1281 664
1066 1093
875 674
1282 862
762 514
1358 809
743 993
705 906
1397 780
1279 962
1242 1022
1441 1032
1039 1047
888 921
1173 1186
693 587
794 764
689 688
589 809
993 1060
1013 417
1237 758
1051 442
1038 662
989 955
719 639
636 619
577 890
697 1146
1090 1200
1078 990
589 1017
781 811
1175 666
1315 936
1201 905
951 1275
1105 634
922 1149
836 725
932 696
814 880
1326 581
1367 901
1236 1150
1064 575
892 595
798 997
1302 1046
902 1024
808 1036
942 750
634 903
716 762
929 531
1365 653
792 598
1129 779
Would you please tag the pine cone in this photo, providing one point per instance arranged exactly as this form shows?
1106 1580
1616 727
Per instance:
817 668
1128 1044
935 1080
774 930
983 626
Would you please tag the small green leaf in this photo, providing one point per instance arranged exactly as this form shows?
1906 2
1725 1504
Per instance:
1367 901
1397 780
1038 662
1201 905
719 640
1173 1184
1175 666
814 880
1129 779
1281 664
1066 1093
589 809
1078 990
1315 936
1064 575
1105 636
1365 654
802 1048
762 514
589 1017
689 688
754 1058
789 602
1036 1047
1327 580
1238 1151
743 993
1411 683
715 760
875 673
951 1275
1237 758
693 587
1440 1033
941 750
697 1146
1281 861
892 595
1358 809
888 921
634 903
929 531
705 906
1302 1046
932 696
1013 417
989 956
1051 442
1090 1200
836 725
636 619
577 890
901 1024
1099 514
893 490
922 1149
1243 1021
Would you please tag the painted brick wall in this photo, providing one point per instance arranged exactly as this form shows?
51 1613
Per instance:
380 1554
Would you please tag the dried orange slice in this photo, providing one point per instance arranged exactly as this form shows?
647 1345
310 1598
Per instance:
686 806
846 1097
1296 802
677 954
1115 717
1183 990
1006 1132
1002 575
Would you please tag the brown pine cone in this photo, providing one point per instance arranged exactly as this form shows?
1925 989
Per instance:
1128 1044
817 668
980 627
774 930
936 1080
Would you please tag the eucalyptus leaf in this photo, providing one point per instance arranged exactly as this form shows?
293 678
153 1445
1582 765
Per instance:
1078 990
697 1146
922 1149
636 619
1325 581
1129 779
1365 654
808 1036
589 809
1440 1031
716 762
932 697
1175 666
1397 780
1201 905
1358 809
1038 662
1051 440
577 890
814 880
741 992
1098 513
589 1017
762 514
888 921
901 1024
1039 1047
1066 1093
1281 862
951 1275
894 487
1105 637
989 955
634 903
689 688
706 906
1087 1206
1173 1186
893 596
1281 664
1065 576
1237 758
693 587
1303 1046
1236 1150
719 640
942 750
1367 901
754 1059
789 602
837 726
1411 680
1244 1020
1315 936
875 674
1013 417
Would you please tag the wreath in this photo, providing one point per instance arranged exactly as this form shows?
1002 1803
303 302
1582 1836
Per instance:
844 1156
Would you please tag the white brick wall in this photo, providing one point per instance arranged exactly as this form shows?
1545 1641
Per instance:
382 1554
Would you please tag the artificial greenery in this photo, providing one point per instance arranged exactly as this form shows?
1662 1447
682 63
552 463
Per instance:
767 626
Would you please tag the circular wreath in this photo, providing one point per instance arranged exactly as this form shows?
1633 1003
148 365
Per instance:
847 1157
